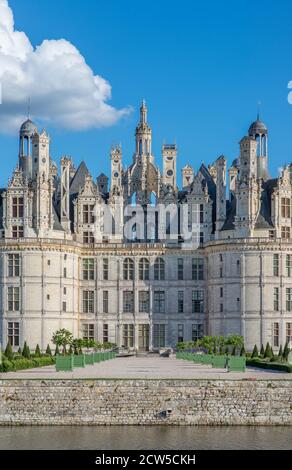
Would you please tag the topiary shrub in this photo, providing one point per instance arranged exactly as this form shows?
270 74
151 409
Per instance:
242 351
255 352
280 353
286 351
234 351
57 352
262 351
48 351
268 352
26 351
9 352
37 351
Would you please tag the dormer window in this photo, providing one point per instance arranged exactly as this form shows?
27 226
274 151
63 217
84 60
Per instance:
17 207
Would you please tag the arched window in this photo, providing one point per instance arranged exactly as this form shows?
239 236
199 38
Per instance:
128 269
159 269
144 269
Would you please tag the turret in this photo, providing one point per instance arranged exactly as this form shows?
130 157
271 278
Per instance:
169 153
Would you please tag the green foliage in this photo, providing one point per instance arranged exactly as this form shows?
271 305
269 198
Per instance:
280 353
19 352
48 351
57 351
268 352
77 344
286 351
70 349
262 351
26 351
62 338
24 363
37 351
8 351
255 352
234 349
257 362
242 351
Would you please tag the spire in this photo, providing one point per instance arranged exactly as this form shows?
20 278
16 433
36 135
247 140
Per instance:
258 112
28 108
143 112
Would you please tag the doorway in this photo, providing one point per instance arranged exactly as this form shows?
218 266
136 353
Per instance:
144 337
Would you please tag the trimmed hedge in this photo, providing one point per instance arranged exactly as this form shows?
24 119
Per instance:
23 363
283 367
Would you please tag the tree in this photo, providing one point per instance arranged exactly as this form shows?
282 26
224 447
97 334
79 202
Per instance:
70 350
77 344
37 351
234 351
62 338
26 351
286 351
255 352
262 351
19 351
242 351
57 351
8 351
268 352
48 350
280 353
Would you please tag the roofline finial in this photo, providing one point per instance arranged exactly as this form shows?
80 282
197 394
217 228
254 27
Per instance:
258 112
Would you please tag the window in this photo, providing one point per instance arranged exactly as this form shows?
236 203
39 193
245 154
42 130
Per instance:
88 238
158 335
48 296
17 207
220 257
238 267
288 332
221 308
128 335
13 265
197 269
197 301
105 333
144 301
88 331
289 265
276 334
285 232
180 333
197 331
159 301
65 290
65 272
159 269
88 269
49 262
128 268
13 333
88 301
180 269
105 269
64 306
289 299
276 299
285 207
128 301
17 231
197 214
105 301
180 301
221 292
144 269
276 264
88 217
221 272
13 299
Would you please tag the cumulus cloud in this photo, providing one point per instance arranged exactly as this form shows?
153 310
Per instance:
63 89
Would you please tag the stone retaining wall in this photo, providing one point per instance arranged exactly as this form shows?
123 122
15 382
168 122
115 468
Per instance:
183 402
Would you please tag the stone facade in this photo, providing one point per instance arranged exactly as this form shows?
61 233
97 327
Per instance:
143 402
61 266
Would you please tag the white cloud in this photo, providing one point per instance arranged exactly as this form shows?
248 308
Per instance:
64 90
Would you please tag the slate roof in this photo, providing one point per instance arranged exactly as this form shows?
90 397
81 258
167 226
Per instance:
79 178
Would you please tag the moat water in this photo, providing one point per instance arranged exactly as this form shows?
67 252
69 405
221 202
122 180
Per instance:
145 437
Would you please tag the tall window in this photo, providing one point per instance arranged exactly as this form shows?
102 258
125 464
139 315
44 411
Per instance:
238 267
197 301
289 265
13 265
221 292
197 331
13 333
288 332
144 269
180 333
88 216
276 299
88 331
158 335
128 301
128 268
105 269
64 306
197 269
276 334
128 335
289 299
197 214
285 207
17 231
285 232
159 269
88 301
159 301
17 207
276 264
88 238
13 299
144 301
105 301
180 301
105 333
180 269
88 269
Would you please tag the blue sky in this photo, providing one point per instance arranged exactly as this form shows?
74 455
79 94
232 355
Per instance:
202 68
